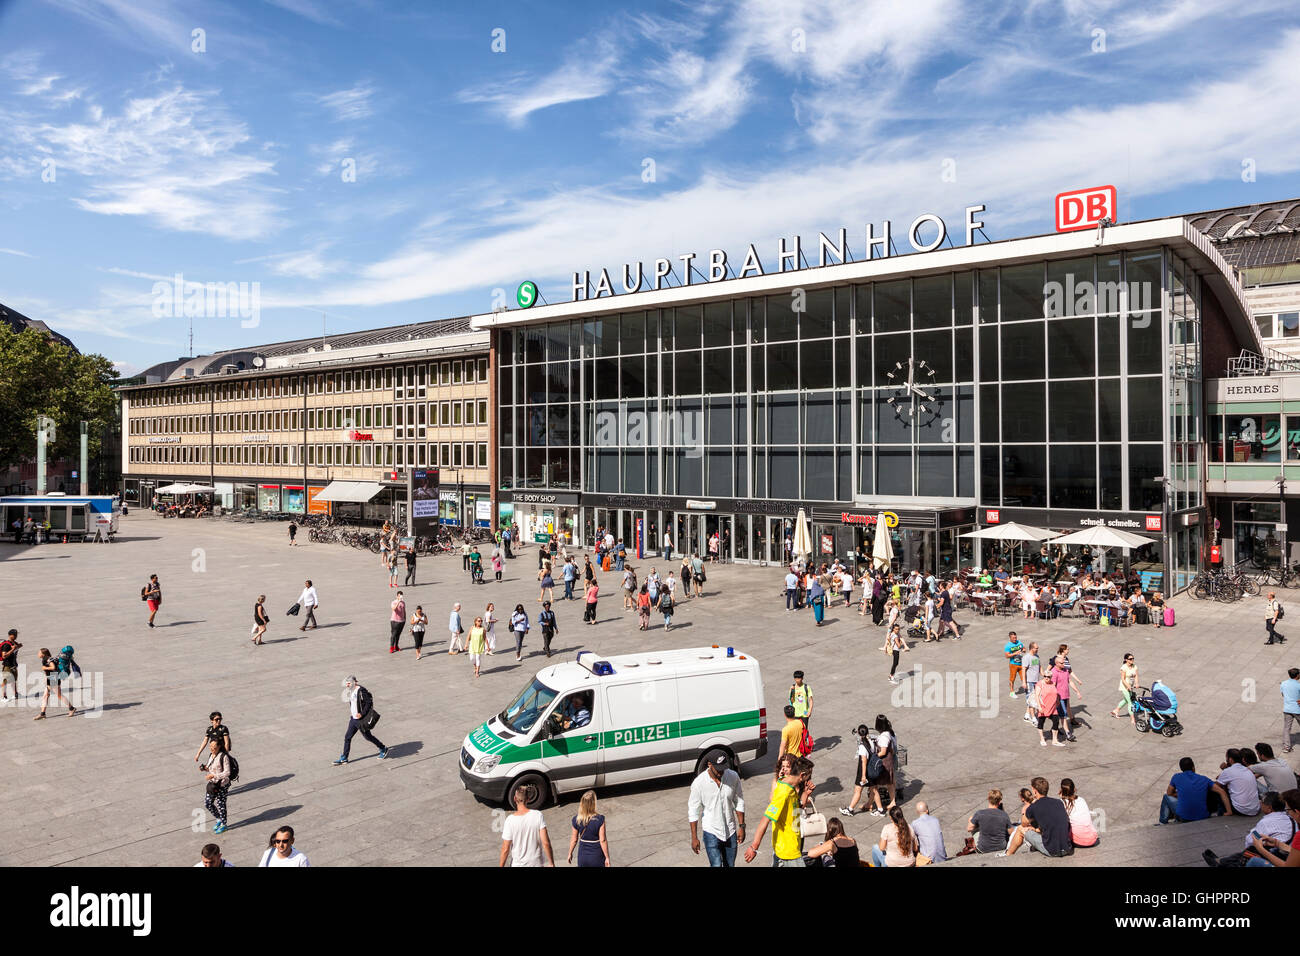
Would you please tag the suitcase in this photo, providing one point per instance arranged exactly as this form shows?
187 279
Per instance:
1169 617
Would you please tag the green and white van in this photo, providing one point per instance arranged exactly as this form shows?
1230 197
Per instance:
596 721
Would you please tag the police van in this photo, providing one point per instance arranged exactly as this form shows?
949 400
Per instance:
599 721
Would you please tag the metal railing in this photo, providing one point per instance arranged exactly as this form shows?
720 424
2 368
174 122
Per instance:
1253 363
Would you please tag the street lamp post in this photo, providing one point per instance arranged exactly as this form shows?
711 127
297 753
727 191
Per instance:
1281 526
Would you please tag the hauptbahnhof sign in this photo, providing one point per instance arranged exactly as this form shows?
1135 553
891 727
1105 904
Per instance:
789 257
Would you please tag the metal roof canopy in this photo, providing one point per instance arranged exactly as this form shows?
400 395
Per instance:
353 491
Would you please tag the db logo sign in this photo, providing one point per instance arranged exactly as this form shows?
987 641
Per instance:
1084 208
991 517
1153 522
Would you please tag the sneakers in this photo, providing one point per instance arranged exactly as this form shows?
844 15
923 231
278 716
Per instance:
1028 719
1071 738
1210 857
383 753
1057 743
876 813
847 812
340 760
219 828
1013 695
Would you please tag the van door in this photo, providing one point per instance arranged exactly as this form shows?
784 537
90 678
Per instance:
572 746
641 730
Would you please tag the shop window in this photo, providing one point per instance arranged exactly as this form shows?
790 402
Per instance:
1250 438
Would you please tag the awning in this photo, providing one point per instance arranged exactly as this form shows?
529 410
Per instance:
356 491
184 488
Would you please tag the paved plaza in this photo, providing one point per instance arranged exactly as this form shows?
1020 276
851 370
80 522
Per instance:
120 786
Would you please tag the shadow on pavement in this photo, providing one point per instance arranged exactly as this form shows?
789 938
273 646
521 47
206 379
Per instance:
268 816
408 749
263 783
134 703
181 623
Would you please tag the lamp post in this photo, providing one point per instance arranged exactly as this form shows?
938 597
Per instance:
1281 526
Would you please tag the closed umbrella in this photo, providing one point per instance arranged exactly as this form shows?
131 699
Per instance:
802 536
882 550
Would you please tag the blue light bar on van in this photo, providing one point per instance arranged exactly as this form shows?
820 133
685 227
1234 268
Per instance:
602 668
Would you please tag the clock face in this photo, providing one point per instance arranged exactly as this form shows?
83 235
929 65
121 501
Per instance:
916 399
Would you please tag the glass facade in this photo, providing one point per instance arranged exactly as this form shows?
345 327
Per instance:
1036 385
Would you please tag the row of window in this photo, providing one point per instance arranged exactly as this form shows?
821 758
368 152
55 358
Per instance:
405 381
1254 438
1280 325
1088 285
432 454
402 417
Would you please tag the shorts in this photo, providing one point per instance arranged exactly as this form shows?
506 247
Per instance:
9 673
153 606
1017 670
475 659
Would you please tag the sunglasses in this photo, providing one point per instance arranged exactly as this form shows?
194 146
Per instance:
281 842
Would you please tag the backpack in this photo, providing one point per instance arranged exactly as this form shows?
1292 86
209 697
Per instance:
6 648
144 593
1281 612
234 767
806 743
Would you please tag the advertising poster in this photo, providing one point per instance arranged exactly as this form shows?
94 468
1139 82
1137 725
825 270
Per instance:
316 507
268 497
424 494
483 512
293 499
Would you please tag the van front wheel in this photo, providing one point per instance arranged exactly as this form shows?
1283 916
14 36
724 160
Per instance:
540 787
711 755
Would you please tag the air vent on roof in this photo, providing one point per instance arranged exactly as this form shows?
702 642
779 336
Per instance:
229 369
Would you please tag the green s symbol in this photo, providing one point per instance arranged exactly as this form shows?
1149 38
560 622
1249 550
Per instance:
526 295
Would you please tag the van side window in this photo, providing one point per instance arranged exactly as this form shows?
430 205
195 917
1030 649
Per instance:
574 712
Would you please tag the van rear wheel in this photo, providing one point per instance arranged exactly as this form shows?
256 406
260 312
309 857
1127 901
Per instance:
711 755
541 789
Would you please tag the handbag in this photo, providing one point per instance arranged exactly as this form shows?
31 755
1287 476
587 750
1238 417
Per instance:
812 826
293 611
370 719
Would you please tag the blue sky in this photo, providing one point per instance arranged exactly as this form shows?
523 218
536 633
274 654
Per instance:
476 169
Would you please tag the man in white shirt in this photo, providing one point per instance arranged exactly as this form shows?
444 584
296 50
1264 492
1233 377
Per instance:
309 602
360 704
668 546
929 834
1235 786
791 590
523 837
281 851
211 856
1272 773
717 805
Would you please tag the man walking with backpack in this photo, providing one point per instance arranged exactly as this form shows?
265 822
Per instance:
548 624
801 698
152 594
1274 614
362 717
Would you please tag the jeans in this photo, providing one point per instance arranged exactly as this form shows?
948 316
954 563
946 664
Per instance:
395 632
797 861
789 599
410 574
1268 625
1168 808
618 562
1258 861
519 643
354 726
668 554
1287 721
878 856
590 613
719 853
568 589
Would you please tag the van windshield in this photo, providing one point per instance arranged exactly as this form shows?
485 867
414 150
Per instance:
533 701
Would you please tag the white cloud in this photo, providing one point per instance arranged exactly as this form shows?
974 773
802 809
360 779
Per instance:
176 158
587 73
350 104
307 9
1015 167
17 252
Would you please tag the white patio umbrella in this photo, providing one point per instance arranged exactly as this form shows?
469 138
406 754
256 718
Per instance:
1011 531
802 544
1100 536
177 488
882 550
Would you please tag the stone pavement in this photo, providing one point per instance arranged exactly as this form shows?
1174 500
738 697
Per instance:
121 787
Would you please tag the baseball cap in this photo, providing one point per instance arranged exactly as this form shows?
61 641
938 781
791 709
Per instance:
720 763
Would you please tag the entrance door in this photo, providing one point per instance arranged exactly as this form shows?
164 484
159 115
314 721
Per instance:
743 546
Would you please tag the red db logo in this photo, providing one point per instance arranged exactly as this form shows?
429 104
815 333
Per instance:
1084 208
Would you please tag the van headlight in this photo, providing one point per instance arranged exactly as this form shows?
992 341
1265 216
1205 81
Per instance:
486 764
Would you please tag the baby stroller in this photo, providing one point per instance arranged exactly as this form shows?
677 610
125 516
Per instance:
915 622
1157 709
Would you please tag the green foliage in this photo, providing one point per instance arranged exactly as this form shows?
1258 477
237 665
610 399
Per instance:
40 376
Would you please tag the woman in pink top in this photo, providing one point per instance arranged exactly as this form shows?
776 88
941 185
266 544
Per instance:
497 565
1063 676
1044 702
396 623
593 591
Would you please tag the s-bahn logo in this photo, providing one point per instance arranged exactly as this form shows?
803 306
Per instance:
1085 208
526 294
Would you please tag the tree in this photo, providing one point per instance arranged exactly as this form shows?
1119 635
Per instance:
40 376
